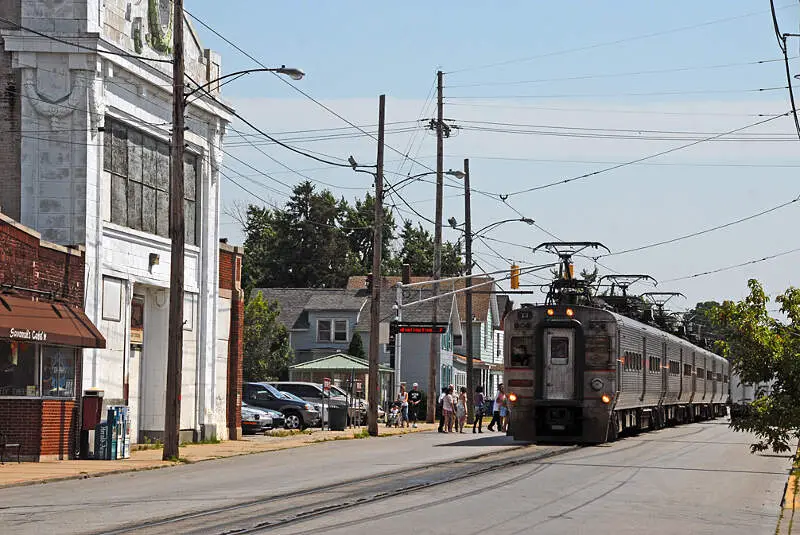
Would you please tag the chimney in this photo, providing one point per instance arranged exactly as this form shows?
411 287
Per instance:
406 273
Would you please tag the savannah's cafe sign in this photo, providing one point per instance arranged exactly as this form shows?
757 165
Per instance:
27 334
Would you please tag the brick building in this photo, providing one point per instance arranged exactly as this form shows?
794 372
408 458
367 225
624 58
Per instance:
42 332
230 337
85 161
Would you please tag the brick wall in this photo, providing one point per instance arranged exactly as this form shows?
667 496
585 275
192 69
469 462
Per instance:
30 263
59 428
230 277
10 121
21 421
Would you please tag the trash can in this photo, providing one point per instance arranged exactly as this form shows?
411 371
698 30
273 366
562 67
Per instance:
338 418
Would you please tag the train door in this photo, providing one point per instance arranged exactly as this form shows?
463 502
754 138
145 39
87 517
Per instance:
664 371
645 367
559 368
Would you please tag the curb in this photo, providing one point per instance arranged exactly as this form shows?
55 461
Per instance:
789 499
182 463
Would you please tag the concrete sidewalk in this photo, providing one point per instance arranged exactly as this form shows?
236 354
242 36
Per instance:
13 474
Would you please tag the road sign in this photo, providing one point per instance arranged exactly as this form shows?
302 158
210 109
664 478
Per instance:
326 384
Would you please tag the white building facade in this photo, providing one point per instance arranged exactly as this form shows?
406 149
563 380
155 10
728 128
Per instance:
88 164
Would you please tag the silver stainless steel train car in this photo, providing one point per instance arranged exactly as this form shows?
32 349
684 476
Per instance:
584 374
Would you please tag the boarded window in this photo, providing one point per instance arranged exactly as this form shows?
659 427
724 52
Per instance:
140 173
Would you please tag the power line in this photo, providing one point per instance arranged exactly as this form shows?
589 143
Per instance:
644 158
727 268
614 42
295 88
620 74
614 95
609 110
704 231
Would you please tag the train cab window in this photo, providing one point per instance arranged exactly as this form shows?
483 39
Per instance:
724 378
687 370
674 367
559 350
522 351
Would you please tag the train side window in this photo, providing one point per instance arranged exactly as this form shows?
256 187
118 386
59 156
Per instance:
674 367
709 376
700 373
559 350
522 351
687 370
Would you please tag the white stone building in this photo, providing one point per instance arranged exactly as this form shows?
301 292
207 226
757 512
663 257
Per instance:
85 161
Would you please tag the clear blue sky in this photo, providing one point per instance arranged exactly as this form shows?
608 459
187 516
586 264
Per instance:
513 63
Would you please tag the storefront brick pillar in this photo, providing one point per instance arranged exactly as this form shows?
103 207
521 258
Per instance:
231 278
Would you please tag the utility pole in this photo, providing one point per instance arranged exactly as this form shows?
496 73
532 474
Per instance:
375 305
437 249
468 247
177 223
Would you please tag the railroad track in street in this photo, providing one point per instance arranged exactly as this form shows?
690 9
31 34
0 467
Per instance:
271 512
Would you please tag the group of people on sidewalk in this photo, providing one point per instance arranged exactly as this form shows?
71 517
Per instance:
452 408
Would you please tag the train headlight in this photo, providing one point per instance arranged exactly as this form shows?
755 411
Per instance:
606 399
550 311
570 312
512 397
597 384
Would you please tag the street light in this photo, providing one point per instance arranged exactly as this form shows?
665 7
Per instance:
455 225
172 408
294 74
457 174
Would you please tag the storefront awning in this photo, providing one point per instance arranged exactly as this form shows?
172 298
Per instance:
46 322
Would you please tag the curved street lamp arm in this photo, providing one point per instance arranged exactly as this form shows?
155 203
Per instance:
295 74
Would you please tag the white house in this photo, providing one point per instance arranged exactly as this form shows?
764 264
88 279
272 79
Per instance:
87 163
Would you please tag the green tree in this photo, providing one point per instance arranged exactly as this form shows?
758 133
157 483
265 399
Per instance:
417 251
267 353
761 350
358 227
356 348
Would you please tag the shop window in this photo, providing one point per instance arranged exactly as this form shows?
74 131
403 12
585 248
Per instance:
140 172
32 370
58 372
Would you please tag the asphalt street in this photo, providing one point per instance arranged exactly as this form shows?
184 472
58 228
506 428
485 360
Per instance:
103 503
698 478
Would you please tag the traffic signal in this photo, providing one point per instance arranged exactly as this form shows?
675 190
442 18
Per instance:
514 276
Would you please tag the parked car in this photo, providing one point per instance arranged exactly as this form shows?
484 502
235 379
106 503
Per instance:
278 420
313 393
255 420
298 414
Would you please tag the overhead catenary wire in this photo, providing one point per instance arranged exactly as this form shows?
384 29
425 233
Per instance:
734 266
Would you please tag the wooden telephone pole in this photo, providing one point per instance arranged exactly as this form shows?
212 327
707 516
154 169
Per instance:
435 345
468 252
177 223
375 305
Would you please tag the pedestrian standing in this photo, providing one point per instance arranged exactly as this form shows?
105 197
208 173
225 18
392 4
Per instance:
478 409
461 409
448 409
440 406
414 399
499 400
402 397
